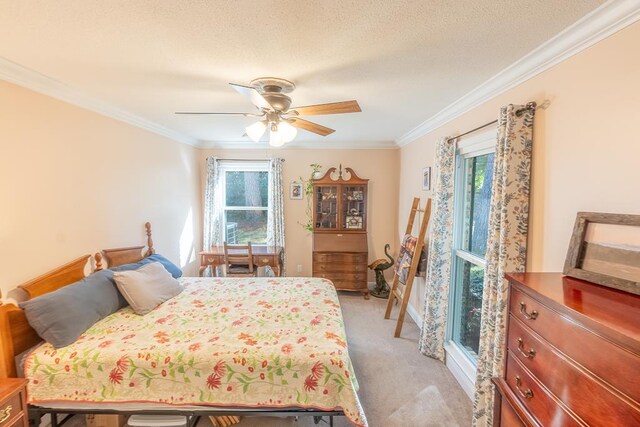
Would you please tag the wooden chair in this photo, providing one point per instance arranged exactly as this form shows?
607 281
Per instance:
238 260
402 292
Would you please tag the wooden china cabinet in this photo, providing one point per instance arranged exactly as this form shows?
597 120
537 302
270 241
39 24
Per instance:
340 230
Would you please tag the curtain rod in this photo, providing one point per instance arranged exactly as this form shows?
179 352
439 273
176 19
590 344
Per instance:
248 160
530 106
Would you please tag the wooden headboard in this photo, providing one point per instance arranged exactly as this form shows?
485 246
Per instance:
16 335
119 256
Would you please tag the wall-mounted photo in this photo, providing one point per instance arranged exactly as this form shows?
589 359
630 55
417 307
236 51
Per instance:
605 249
295 191
426 178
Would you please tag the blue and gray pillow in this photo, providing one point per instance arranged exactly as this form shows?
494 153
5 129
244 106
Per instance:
60 317
168 265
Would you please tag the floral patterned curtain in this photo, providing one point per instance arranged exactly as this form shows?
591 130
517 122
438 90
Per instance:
506 247
439 255
275 216
212 205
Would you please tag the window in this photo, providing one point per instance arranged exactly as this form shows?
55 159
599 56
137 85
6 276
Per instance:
246 202
472 194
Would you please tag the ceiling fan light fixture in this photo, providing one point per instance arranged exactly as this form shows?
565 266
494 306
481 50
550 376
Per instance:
288 132
275 136
255 131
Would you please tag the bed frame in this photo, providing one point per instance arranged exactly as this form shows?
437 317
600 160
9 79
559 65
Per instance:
17 336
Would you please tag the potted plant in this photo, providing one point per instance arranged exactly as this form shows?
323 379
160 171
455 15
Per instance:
307 185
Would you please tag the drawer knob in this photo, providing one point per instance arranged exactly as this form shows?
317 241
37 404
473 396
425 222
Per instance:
265 259
527 394
528 354
5 413
528 316
210 259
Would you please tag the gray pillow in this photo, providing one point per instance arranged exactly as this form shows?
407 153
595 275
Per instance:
60 317
171 267
147 287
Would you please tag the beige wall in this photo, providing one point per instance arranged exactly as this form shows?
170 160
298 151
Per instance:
379 166
586 147
73 181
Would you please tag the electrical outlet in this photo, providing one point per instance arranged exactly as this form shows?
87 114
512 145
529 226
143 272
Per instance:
299 269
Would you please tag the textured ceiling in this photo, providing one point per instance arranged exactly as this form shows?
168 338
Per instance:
402 60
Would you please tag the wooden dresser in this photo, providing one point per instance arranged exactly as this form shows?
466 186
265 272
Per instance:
13 407
573 354
340 249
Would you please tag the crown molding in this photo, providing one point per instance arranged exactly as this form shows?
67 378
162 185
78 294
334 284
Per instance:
299 145
22 76
604 21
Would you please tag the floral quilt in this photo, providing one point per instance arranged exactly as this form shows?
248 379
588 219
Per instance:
258 342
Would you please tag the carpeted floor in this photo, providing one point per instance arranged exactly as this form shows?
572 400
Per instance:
398 386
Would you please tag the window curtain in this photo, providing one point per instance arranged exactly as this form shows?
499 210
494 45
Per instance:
275 216
212 205
506 247
439 255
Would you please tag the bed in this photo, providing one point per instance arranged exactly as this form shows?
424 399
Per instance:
255 346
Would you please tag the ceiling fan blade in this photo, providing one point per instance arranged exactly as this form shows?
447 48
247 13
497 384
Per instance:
310 126
253 95
225 114
331 108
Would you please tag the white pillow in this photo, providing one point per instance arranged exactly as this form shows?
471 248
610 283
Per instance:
147 287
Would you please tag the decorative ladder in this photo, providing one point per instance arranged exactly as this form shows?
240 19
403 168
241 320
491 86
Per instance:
402 292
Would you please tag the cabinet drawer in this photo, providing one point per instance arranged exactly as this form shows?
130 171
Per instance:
340 242
508 417
566 381
613 364
11 410
534 397
344 258
264 260
348 285
341 268
211 259
349 277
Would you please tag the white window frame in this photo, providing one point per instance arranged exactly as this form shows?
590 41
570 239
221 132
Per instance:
239 166
460 363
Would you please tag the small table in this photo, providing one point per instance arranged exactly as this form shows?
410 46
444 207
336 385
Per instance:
263 255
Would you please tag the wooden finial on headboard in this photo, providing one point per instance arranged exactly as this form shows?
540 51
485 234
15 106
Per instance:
150 250
98 257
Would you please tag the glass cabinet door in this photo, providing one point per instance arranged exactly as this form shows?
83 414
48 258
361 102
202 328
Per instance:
326 200
353 207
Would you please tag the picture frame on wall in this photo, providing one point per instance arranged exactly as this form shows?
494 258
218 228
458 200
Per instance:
426 178
295 191
605 249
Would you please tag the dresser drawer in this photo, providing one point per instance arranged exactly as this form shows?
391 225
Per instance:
566 381
508 417
613 364
345 258
11 410
351 277
340 268
544 407
349 285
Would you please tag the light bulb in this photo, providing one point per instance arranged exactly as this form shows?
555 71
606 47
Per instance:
255 131
275 137
287 131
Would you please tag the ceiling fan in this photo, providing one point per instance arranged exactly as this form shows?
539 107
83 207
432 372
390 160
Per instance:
268 95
